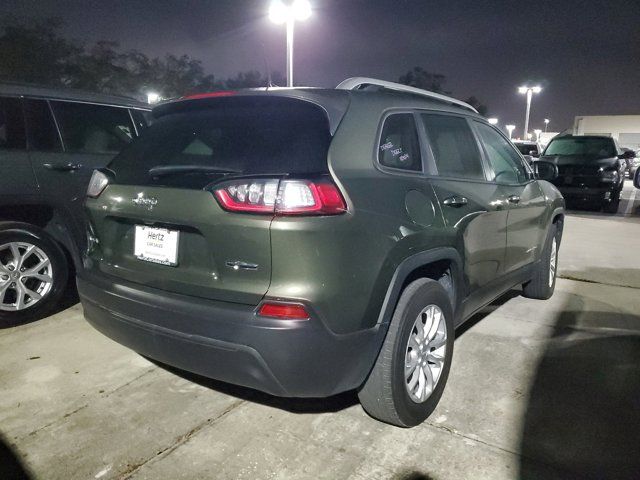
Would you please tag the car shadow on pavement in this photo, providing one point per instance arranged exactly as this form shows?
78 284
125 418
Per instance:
293 405
334 403
583 414
10 466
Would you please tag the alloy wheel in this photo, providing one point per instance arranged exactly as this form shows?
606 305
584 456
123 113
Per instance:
553 262
425 353
26 275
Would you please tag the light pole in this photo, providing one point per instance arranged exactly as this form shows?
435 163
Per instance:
529 91
280 13
510 129
546 124
537 132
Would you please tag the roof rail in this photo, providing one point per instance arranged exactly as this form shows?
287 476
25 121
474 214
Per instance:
357 83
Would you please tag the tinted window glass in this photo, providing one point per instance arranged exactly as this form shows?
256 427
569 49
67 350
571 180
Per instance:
141 118
527 149
11 124
399 145
41 128
591 147
241 136
93 128
506 163
454 147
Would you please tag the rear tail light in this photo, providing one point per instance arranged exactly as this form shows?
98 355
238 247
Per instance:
97 184
281 197
284 311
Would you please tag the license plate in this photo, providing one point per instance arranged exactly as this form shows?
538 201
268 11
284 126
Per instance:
157 245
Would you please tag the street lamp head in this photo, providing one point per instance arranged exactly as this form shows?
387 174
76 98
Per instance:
280 12
301 9
537 132
492 121
546 120
153 97
525 89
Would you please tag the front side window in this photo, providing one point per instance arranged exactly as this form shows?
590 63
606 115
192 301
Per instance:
454 147
399 145
12 135
41 129
93 128
505 161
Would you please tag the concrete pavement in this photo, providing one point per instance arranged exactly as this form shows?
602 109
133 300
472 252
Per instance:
537 390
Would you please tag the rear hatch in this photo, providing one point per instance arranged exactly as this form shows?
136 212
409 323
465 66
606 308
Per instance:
158 222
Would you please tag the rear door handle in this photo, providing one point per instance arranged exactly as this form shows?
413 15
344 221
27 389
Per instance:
513 199
63 167
455 201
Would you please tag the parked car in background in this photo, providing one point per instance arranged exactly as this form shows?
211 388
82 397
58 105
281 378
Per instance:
633 162
591 170
529 148
50 143
305 242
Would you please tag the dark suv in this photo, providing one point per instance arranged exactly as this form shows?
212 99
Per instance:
306 242
591 169
50 143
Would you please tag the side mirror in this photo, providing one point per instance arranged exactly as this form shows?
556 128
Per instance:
544 170
629 154
636 179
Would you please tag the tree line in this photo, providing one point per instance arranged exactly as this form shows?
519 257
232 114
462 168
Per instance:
36 52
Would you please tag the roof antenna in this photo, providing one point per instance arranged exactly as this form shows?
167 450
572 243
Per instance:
266 66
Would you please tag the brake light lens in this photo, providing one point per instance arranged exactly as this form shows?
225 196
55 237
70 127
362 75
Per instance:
97 184
281 197
284 311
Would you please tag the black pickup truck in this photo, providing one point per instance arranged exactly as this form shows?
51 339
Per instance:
591 170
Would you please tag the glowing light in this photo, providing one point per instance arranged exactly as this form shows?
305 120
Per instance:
492 121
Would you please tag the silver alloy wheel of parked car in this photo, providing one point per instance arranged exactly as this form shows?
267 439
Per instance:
26 275
553 261
425 354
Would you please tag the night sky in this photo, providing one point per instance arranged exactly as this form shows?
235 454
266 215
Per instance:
585 54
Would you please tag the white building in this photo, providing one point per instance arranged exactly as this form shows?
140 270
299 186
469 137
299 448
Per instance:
624 128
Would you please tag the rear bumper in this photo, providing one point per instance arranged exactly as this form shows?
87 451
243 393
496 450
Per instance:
227 341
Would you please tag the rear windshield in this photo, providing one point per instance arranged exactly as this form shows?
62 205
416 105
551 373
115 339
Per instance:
527 149
240 136
593 147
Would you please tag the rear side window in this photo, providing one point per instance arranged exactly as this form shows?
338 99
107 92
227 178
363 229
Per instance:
399 146
505 161
231 137
93 128
12 135
454 147
41 129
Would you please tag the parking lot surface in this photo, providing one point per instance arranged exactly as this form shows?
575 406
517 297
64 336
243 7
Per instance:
538 389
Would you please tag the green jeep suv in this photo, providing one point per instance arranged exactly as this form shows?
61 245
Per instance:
306 242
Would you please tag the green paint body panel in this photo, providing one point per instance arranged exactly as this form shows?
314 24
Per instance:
347 268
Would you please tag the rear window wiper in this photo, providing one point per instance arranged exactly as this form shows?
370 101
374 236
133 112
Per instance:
163 170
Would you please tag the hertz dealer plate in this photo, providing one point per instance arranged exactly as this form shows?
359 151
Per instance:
157 245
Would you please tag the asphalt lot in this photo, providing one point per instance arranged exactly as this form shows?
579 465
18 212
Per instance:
537 390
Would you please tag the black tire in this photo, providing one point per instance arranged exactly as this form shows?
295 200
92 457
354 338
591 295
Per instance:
30 234
384 394
539 286
613 205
